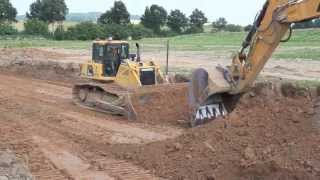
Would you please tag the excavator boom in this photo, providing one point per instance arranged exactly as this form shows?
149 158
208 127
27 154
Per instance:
270 28
211 92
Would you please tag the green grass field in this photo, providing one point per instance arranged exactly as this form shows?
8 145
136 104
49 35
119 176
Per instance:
304 44
19 25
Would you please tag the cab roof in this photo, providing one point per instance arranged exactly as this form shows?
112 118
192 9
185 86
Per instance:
106 42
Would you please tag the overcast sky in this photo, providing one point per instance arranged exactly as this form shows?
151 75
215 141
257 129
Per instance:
236 11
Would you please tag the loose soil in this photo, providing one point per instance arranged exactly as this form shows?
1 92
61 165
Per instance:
270 135
274 132
163 104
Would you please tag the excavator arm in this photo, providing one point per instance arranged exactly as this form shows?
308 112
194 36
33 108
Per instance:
209 92
270 27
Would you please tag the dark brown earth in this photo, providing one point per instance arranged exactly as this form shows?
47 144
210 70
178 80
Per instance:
272 134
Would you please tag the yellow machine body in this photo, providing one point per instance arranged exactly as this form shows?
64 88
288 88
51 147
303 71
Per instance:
128 74
114 74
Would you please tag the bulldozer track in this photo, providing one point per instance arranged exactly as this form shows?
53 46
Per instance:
106 98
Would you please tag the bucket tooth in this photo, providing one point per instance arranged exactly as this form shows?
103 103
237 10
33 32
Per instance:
208 113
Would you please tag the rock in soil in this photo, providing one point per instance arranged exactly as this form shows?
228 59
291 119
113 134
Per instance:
12 168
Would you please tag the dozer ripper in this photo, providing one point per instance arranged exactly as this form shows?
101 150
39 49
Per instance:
114 74
212 94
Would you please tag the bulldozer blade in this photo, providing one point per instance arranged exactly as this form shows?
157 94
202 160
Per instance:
205 107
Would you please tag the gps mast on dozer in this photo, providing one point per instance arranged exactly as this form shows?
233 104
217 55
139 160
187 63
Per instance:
211 92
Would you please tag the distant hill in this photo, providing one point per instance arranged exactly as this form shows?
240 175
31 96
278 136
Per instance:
81 17
21 17
135 17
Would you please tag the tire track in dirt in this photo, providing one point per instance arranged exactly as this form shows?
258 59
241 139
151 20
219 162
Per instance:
128 134
316 117
70 116
67 161
35 86
14 137
78 168
57 142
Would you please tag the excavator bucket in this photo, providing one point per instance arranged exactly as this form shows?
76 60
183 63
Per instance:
208 97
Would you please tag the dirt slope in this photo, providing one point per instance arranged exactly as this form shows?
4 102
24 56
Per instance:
40 64
268 136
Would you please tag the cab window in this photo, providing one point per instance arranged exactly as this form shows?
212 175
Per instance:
101 50
98 53
113 51
124 51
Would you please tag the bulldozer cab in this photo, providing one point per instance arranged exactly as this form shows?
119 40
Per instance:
111 62
110 54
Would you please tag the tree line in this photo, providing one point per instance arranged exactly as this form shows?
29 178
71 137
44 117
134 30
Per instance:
307 24
155 21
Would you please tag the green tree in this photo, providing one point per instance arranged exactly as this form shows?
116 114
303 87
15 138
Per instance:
138 31
48 10
34 10
177 21
116 31
59 33
220 24
304 25
7 29
7 12
54 10
233 28
248 28
197 20
85 31
118 14
154 18
36 27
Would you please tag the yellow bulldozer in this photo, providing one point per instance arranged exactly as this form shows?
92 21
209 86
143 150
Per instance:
211 94
114 75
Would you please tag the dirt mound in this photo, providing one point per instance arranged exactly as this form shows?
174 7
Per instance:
270 135
163 104
38 63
